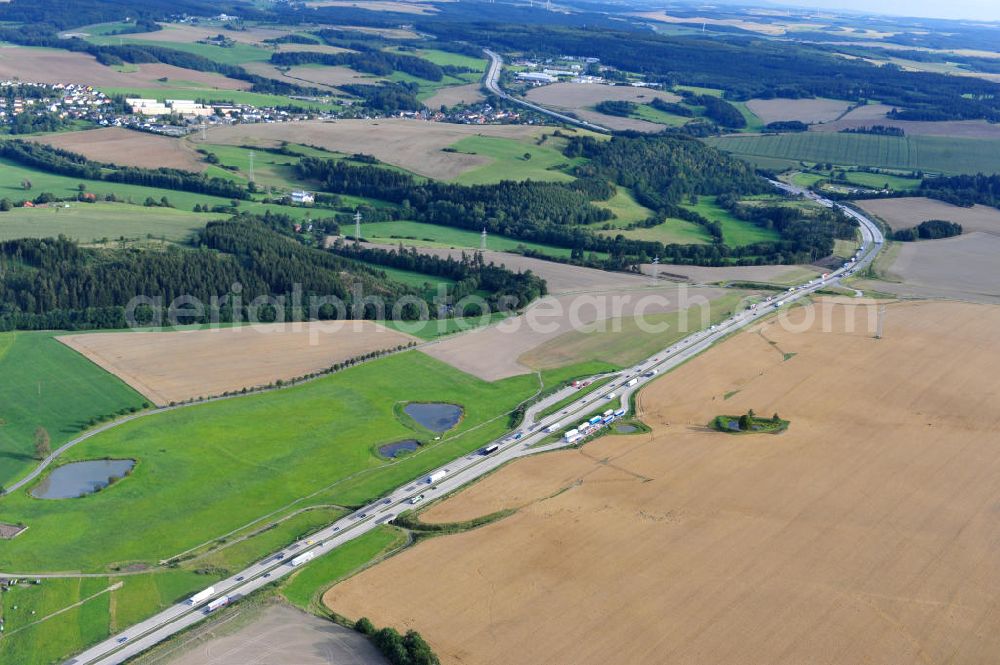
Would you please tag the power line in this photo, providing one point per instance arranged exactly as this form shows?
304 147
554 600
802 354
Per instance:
357 226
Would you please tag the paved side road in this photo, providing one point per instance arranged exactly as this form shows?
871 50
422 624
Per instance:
464 470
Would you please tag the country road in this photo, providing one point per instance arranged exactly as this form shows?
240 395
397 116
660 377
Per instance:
530 440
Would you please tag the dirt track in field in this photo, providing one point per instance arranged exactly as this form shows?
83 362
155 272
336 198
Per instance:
804 110
867 533
414 145
128 148
176 366
581 97
909 211
56 66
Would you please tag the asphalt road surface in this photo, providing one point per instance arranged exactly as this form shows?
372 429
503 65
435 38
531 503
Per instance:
459 472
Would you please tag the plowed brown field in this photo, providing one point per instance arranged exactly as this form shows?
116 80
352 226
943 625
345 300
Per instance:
866 533
129 148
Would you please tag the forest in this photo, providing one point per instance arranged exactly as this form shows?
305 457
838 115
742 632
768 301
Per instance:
662 171
964 190
363 58
743 67
55 283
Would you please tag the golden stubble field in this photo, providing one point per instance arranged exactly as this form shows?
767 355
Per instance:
415 145
128 148
56 66
867 533
175 366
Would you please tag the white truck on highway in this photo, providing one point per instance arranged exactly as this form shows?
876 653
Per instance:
202 595
552 428
436 476
305 557
216 604
631 382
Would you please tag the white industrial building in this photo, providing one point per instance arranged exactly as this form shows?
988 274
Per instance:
536 77
302 197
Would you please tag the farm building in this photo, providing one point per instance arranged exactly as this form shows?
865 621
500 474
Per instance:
302 197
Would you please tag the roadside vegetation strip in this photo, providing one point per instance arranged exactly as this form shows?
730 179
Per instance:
304 588
582 393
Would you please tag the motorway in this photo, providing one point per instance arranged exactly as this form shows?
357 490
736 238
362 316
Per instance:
530 439
492 82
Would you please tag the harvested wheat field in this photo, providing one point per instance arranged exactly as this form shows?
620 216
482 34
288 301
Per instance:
321 76
414 145
875 114
866 533
188 34
454 95
396 6
909 211
509 343
56 66
962 268
175 366
776 274
580 97
808 111
128 148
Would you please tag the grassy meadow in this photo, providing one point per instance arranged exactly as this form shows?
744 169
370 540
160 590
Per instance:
208 469
47 384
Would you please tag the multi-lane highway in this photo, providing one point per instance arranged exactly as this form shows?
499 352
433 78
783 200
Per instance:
492 82
531 439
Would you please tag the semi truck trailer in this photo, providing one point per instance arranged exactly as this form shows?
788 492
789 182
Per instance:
436 476
305 557
216 604
202 595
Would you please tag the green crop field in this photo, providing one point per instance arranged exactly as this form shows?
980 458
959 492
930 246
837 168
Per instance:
12 174
735 232
57 629
671 231
428 88
879 180
46 384
626 209
304 587
546 162
647 112
92 221
927 153
205 470
237 54
431 235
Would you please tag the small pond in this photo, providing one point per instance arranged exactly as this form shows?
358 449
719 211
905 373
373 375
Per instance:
80 478
625 429
394 449
435 416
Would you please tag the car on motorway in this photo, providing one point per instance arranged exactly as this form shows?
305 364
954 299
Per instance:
240 578
267 574
123 639
279 556
417 499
